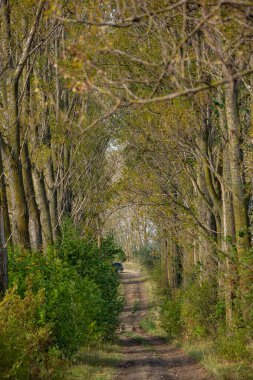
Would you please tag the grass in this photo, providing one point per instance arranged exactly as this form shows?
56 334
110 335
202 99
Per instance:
96 364
151 323
228 371
130 265
219 368
136 306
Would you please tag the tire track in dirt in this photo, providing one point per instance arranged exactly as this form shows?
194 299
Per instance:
148 357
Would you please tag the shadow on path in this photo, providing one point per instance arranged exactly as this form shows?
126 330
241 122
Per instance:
145 356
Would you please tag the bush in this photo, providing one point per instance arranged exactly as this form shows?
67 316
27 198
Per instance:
80 303
171 317
72 307
71 302
96 264
158 274
200 311
26 350
234 346
195 311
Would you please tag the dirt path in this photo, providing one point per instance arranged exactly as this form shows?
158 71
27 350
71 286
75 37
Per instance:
144 356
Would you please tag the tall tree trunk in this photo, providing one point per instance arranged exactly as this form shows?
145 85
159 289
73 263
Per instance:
4 200
250 155
230 268
239 196
12 151
236 167
20 208
228 232
13 127
5 229
52 198
3 256
34 213
43 204
50 186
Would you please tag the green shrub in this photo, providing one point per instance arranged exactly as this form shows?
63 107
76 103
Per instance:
158 274
171 317
96 264
149 323
71 302
200 311
81 301
234 346
72 307
27 350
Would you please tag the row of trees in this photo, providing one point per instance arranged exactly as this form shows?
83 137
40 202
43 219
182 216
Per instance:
49 167
189 161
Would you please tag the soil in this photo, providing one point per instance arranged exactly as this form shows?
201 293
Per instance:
146 356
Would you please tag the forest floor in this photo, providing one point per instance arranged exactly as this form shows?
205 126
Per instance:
146 356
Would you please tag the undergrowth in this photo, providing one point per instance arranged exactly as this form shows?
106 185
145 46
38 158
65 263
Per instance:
193 317
59 302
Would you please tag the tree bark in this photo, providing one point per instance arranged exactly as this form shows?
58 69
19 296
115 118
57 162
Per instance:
50 186
34 213
236 167
3 256
43 204
228 240
20 207
239 196
4 200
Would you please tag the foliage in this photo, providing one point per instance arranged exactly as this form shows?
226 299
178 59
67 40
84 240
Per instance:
71 302
200 309
96 264
171 317
68 298
233 346
194 311
146 255
27 350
